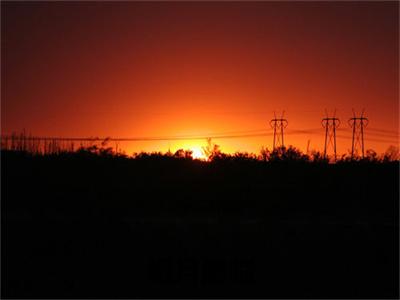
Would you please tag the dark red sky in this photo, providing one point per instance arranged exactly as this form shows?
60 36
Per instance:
166 69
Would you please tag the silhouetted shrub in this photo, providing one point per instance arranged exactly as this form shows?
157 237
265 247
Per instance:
213 151
264 154
290 154
391 154
318 157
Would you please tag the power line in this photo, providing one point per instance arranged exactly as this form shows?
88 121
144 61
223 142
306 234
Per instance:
138 139
369 139
190 137
384 130
258 133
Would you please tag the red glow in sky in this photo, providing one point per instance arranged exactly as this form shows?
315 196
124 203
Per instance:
171 68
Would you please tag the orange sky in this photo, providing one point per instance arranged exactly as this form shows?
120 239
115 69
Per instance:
167 69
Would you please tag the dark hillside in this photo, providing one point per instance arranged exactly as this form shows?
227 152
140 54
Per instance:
80 226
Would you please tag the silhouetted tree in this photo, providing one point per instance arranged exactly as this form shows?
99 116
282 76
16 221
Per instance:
371 156
189 154
391 154
180 153
318 157
264 154
244 156
212 151
288 154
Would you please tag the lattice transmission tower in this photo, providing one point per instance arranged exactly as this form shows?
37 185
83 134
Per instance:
330 125
278 125
358 124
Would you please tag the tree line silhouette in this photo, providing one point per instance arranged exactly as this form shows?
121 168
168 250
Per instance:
212 153
47 145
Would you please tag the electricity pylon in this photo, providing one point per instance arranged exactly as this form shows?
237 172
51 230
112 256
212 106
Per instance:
358 124
278 125
330 125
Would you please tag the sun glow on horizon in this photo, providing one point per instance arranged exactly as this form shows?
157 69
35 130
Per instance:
198 153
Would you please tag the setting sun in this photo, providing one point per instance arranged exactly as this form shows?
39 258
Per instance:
198 153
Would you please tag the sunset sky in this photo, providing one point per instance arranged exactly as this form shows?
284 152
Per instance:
166 69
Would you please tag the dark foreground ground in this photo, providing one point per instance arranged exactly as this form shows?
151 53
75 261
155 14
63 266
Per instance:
114 228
